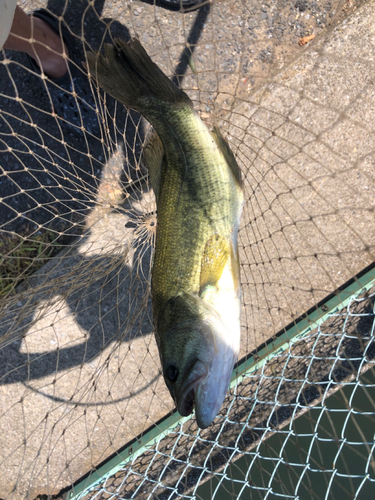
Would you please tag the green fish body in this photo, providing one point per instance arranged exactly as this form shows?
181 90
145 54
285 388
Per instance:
196 273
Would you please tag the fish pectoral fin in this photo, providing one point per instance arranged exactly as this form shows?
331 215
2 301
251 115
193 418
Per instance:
153 157
215 257
235 266
227 153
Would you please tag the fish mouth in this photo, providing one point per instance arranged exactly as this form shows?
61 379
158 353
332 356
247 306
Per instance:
204 391
186 402
206 387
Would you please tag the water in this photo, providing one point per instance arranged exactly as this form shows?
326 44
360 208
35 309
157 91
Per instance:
323 450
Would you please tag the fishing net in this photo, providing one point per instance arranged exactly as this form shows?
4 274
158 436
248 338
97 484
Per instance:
84 409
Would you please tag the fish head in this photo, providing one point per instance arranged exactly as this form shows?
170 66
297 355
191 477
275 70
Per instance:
198 352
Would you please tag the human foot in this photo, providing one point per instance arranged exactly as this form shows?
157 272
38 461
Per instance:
49 51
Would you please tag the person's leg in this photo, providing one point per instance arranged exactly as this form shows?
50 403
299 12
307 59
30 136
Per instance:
68 86
39 41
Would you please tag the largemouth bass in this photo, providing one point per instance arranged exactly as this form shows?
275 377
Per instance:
196 274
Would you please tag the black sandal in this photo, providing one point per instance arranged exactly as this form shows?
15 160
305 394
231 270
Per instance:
66 106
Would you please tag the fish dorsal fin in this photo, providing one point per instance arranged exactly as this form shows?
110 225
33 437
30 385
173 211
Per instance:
153 156
215 257
227 152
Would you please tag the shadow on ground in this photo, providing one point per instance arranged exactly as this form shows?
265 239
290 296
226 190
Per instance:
51 182
51 170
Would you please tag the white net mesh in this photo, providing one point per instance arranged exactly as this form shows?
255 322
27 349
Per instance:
327 451
80 371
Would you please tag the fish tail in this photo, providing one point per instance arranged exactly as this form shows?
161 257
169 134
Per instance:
128 74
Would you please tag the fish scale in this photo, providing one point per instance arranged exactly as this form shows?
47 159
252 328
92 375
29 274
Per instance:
195 283
192 213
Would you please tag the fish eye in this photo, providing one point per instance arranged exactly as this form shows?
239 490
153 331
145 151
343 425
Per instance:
171 373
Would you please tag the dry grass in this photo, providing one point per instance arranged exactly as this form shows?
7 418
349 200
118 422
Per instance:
21 256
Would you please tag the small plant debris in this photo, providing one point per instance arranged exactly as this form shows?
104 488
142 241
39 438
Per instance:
21 256
302 41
